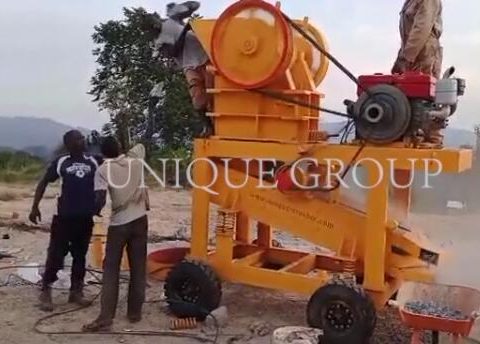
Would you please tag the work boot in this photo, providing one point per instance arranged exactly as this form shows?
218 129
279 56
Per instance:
46 304
436 137
99 325
206 132
208 129
134 318
76 297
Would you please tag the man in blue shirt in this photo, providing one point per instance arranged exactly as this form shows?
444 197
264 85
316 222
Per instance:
72 226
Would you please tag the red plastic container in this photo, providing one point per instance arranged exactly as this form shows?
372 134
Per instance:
422 322
466 300
412 84
160 262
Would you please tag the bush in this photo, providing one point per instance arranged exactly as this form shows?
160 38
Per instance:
19 167
185 157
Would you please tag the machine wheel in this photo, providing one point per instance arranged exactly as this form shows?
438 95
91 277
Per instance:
371 315
371 307
384 116
192 290
344 312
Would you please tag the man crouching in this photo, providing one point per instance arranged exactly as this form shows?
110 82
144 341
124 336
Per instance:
122 177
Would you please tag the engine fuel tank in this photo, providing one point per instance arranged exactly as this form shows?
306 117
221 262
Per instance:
414 85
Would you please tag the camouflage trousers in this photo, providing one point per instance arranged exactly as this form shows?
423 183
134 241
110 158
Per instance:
430 59
198 80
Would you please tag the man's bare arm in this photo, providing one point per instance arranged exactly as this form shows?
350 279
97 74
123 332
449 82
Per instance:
100 201
35 214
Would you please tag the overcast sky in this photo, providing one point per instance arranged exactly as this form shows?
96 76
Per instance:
46 61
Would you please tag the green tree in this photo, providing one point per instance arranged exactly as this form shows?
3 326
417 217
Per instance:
127 72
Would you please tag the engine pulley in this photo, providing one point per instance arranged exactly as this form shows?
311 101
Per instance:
317 62
383 115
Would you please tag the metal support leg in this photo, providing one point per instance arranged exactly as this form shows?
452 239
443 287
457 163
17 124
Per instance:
416 337
402 196
456 339
264 235
243 234
376 235
200 205
435 337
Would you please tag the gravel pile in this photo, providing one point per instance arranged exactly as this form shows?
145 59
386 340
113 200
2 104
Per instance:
390 329
434 309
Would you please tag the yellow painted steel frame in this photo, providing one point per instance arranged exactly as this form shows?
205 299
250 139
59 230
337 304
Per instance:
366 242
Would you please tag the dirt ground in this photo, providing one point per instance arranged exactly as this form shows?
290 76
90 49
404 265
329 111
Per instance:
253 313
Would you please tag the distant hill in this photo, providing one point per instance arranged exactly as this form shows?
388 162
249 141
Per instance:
38 136
6 149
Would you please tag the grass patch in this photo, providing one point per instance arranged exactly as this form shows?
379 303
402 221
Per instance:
19 167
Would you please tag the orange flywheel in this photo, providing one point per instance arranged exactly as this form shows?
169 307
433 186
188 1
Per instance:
316 61
252 44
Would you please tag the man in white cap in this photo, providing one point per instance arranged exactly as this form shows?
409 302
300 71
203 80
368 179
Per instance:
178 41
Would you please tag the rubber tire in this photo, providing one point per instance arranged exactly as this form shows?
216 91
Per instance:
210 290
371 316
359 302
371 306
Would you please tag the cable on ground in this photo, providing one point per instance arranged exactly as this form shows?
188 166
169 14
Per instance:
147 333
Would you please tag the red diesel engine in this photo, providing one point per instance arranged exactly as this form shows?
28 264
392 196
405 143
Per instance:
412 105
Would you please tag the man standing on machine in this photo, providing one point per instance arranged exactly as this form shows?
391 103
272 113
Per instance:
421 27
72 226
177 40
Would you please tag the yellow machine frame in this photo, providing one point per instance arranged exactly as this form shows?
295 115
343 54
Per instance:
391 255
368 243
